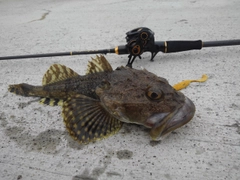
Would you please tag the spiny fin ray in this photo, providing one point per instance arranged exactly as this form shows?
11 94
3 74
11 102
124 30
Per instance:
86 119
57 72
98 64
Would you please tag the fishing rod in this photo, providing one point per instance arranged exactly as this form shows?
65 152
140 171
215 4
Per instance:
140 40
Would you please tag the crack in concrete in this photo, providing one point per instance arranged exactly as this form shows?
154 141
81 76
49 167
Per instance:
235 125
43 16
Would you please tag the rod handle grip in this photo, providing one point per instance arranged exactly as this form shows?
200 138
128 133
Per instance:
178 46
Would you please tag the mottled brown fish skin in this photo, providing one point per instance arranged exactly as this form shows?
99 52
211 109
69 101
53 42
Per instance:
62 89
127 95
122 82
95 105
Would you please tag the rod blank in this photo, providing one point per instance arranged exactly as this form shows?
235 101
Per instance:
163 46
221 43
104 51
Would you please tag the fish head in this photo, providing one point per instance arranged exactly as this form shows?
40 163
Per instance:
141 97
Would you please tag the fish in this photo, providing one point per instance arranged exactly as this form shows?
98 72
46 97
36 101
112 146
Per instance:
97 104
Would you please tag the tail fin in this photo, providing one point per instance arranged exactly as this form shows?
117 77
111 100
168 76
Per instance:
22 89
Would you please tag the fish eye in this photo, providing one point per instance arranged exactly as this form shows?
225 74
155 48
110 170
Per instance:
154 95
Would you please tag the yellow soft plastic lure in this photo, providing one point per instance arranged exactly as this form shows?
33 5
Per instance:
185 83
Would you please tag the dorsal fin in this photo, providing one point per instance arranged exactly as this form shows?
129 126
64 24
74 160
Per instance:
57 72
98 64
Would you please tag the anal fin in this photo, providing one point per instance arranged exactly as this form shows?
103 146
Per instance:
86 120
51 101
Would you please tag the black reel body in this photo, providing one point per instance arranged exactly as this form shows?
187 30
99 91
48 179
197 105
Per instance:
139 40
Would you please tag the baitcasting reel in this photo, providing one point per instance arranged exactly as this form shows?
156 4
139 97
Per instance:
140 40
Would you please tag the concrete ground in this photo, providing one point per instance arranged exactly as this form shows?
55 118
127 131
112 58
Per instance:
34 142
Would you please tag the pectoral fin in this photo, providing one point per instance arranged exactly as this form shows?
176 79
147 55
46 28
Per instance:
86 120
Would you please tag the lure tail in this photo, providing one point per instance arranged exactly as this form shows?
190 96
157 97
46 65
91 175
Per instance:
186 83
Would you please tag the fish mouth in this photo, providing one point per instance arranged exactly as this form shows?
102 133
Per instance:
167 122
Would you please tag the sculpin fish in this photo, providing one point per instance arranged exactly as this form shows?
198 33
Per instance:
96 105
